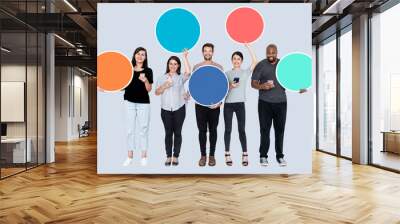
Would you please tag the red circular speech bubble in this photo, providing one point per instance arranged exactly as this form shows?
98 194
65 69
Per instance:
244 25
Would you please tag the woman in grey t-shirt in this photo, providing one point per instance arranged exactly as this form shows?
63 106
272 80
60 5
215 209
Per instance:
235 102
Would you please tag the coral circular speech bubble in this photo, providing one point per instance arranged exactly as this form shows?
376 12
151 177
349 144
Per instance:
244 25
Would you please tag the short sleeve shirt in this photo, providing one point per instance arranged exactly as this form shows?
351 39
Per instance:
263 72
238 94
207 63
136 91
172 98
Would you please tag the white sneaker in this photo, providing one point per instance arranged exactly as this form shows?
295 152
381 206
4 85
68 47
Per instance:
128 161
282 162
143 161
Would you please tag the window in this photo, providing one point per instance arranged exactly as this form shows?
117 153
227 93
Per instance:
346 93
22 97
327 96
385 89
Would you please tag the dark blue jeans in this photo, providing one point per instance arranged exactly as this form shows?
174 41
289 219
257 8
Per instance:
173 122
207 119
268 113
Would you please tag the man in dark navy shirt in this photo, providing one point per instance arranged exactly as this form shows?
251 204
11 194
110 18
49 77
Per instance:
272 105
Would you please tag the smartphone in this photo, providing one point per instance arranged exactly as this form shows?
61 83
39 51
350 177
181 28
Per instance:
236 80
169 79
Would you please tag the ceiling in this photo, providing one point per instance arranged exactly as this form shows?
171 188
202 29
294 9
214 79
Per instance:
75 22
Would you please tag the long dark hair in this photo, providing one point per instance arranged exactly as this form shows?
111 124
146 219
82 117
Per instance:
145 64
175 58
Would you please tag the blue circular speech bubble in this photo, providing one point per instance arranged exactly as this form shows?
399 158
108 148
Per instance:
208 85
177 29
294 71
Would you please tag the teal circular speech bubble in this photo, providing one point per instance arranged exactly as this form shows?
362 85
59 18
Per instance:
294 71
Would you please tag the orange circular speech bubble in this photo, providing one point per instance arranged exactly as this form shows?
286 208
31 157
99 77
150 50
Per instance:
114 71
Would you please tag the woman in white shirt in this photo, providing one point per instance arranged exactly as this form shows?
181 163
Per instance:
170 87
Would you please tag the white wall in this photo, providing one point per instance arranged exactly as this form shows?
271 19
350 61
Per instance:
80 94
61 103
50 94
16 73
71 87
33 126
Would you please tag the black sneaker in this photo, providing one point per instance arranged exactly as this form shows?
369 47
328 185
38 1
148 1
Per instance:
282 162
263 161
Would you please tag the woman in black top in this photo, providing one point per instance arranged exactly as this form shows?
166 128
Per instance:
137 102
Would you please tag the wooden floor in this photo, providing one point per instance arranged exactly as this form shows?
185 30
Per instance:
5 172
387 159
70 191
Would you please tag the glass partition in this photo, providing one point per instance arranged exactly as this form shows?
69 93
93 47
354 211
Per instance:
385 89
327 96
22 66
346 93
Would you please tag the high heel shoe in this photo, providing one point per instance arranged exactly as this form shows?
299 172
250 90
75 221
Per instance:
228 159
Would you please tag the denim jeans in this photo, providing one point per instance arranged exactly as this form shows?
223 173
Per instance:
269 113
137 121
173 122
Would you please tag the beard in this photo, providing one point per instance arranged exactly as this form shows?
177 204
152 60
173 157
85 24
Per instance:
271 59
207 58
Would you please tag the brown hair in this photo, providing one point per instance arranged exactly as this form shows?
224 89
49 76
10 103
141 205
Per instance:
208 45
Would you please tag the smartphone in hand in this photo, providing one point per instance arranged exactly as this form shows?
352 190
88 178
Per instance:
236 80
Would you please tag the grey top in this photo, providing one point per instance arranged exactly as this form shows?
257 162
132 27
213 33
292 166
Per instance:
173 98
238 94
263 72
208 63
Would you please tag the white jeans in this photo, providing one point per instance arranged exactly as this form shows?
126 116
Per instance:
137 121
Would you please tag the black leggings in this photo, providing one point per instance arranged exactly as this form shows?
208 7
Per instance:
173 122
207 118
239 109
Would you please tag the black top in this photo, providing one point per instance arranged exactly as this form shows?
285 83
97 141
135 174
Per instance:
136 91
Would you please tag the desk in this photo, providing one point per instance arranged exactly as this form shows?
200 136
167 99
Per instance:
17 150
391 141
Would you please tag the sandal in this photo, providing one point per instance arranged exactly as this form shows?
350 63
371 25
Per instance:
228 159
245 159
175 161
168 161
